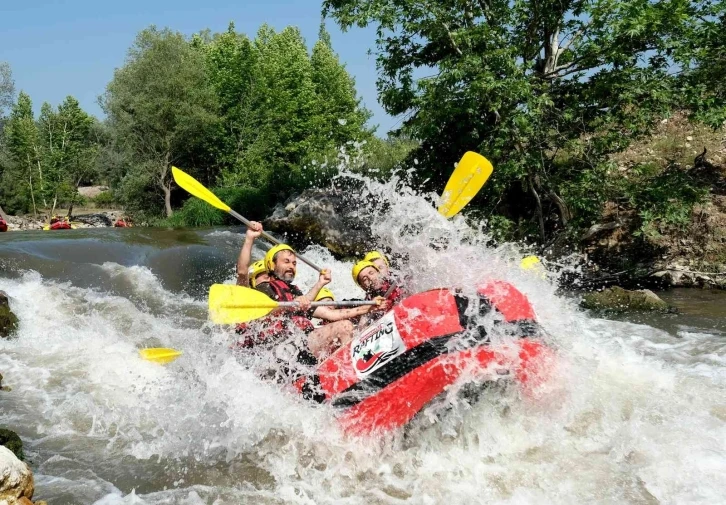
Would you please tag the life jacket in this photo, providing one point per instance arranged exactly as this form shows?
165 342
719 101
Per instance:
392 299
274 326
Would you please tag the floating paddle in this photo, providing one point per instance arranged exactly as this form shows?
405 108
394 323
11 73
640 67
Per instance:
195 188
465 182
230 304
159 355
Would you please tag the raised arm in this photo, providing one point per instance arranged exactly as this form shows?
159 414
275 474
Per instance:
245 254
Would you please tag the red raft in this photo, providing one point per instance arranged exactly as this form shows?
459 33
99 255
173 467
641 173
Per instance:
3 225
396 366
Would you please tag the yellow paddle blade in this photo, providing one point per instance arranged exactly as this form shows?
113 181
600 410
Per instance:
229 304
159 354
470 175
195 188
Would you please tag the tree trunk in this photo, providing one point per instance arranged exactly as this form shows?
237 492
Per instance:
2 213
32 195
166 185
540 212
73 198
565 214
167 199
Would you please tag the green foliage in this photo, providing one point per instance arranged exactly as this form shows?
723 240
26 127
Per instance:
384 156
161 106
702 56
522 82
46 160
104 199
195 212
665 199
12 441
260 116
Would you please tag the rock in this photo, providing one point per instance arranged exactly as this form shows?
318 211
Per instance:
16 479
94 220
333 217
4 388
8 320
617 299
91 191
11 440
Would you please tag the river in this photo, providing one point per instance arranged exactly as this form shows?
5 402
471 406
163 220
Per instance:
635 414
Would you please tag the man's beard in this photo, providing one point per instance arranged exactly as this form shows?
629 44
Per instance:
288 276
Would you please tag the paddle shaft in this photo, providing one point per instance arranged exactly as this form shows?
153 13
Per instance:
272 239
351 303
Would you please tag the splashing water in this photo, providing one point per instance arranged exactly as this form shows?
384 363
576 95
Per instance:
634 414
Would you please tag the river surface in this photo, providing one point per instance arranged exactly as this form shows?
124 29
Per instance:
635 414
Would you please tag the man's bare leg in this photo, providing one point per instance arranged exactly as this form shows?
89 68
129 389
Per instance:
326 339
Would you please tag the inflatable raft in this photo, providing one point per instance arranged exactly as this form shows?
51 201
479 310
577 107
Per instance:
3 225
396 366
59 225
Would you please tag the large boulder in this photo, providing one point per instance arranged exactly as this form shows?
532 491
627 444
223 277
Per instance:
8 320
334 217
16 479
617 299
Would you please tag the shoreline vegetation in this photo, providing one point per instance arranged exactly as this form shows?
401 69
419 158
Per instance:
607 137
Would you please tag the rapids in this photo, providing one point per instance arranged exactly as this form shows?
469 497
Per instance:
636 412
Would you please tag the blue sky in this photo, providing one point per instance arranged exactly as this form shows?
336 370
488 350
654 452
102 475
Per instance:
60 48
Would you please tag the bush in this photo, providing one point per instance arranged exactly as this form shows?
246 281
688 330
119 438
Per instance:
252 203
104 199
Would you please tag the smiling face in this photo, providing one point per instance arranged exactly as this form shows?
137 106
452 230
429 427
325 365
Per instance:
369 279
285 263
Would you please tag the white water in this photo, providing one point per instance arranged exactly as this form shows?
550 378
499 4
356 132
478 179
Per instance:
634 415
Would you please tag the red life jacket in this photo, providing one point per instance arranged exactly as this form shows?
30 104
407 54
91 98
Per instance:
285 292
273 326
392 299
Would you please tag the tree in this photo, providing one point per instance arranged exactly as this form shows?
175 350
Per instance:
546 89
343 118
702 57
21 136
7 88
67 150
161 104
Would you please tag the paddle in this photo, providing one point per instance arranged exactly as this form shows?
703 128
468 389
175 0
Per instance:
465 182
195 188
159 354
230 304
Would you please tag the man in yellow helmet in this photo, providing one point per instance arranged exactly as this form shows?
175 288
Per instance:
369 278
281 264
380 261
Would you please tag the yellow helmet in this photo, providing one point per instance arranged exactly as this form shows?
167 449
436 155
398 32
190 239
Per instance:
358 268
529 262
374 255
271 255
257 268
324 293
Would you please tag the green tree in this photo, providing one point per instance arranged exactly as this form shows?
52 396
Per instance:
546 89
342 118
67 152
161 106
702 56
21 137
